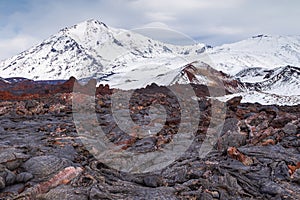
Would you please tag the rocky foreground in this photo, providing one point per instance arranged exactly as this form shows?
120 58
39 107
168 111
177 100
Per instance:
42 156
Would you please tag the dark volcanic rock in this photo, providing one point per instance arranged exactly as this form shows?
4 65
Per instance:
231 135
290 128
145 145
271 188
43 167
296 176
63 192
12 158
2 183
10 178
153 181
43 154
234 102
23 177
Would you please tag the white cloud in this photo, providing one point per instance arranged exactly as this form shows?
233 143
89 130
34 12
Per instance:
156 24
183 6
223 30
159 16
11 46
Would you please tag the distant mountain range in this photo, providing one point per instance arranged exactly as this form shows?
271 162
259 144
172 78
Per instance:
265 65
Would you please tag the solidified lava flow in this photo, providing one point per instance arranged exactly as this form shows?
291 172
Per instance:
42 156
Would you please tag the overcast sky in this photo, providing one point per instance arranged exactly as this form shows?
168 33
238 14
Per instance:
24 23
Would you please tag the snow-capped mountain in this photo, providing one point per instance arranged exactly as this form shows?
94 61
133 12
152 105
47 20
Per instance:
202 73
274 86
281 81
88 49
267 52
265 66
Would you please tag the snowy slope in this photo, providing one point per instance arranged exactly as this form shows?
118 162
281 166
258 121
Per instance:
281 81
261 51
160 71
86 49
263 98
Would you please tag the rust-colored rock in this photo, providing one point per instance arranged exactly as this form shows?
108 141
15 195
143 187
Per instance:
63 177
29 89
293 168
268 142
235 154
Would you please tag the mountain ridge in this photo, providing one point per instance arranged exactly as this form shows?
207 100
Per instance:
81 51
127 60
262 51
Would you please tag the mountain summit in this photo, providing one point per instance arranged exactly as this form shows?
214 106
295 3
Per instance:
84 50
